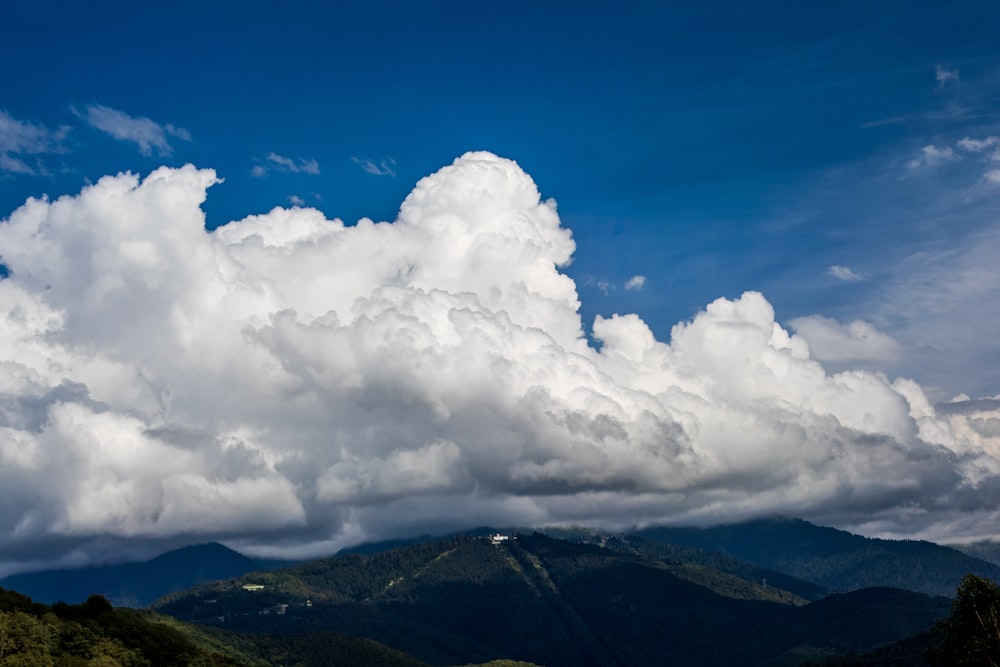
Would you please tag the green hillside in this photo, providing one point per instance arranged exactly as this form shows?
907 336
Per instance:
94 633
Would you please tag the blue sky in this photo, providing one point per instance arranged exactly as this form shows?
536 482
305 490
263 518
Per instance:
712 150
777 222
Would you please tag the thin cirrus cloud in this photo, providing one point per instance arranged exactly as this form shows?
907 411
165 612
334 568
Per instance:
978 145
978 151
280 163
931 155
145 133
384 167
24 143
844 273
293 384
944 75
943 299
636 282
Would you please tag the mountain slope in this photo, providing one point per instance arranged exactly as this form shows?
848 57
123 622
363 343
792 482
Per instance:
546 601
95 633
134 584
712 569
831 558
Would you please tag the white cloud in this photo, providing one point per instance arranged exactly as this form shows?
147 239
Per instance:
14 165
931 155
636 283
289 380
299 166
384 167
285 164
977 145
944 74
993 176
143 132
296 200
23 138
844 273
943 301
830 340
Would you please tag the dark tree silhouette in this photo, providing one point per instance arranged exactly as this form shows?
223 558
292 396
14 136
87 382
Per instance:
972 630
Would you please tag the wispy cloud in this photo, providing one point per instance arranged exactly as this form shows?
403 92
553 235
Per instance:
143 132
19 139
978 151
636 283
945 74
844 273
931 155
385 167
296 200
14 165
978 145
602 285
891 120
299 166
275 162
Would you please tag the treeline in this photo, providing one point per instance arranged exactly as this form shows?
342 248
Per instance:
93 634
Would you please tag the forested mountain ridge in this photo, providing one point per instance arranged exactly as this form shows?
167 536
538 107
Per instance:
790 555
95 634
833 559
720 596
550 602
707 567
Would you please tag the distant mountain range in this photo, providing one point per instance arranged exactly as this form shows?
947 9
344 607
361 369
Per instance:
769 592
555 603
988 550
134 584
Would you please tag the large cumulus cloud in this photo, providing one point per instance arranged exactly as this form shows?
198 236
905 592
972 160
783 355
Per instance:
293 384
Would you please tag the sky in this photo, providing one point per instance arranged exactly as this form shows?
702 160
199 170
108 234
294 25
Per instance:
298 276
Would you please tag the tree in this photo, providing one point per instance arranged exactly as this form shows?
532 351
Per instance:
24 641
972 630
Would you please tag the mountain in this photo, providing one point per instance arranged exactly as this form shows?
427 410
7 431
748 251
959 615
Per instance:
550 602
704 567
988 550
95 633
833 559
134 584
